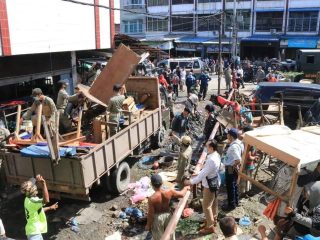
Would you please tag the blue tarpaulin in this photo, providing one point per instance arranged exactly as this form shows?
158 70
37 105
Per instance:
261 38
302 43
43 151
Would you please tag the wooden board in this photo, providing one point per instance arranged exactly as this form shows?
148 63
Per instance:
85 90
118 69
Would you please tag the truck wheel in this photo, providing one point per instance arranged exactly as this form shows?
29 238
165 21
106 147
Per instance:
121 177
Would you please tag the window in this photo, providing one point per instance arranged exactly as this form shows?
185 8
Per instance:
157 25
243 25
158 2
310 59
269 20
174 2
208 1
136 2
303 21
133 26
207 23
182 23
238 0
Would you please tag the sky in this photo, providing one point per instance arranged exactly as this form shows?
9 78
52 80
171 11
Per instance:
117 13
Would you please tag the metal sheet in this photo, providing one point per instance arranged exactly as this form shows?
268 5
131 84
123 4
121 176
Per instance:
117 70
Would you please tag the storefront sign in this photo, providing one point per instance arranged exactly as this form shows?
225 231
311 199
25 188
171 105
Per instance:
302 43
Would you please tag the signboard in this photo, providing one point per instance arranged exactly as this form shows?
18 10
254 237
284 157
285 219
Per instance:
302 43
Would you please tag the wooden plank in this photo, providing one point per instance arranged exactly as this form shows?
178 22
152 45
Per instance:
49 139
18 121
85 90
263 187
118 69
79 124
79 139
170 229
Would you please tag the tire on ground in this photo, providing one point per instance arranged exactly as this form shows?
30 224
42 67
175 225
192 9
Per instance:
121 177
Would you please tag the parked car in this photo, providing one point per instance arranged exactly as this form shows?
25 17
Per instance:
288 65
293 95
189 63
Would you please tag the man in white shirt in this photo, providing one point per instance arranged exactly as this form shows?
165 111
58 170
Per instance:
209 171
240 75
183 75
232 163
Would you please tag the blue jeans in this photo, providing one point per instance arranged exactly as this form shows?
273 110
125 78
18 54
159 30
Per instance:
232 187
35 237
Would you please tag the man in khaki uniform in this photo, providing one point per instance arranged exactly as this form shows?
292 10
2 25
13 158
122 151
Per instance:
63 97
115 108
48 107
184 157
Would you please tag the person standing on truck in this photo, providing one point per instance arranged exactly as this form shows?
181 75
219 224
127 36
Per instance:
184 157
204 81
34 210
180 123
64 98
48 107
158 207
115 108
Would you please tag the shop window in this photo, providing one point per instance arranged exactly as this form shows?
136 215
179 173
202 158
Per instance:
265 21
310 59
208 23
158 2
208 1
157 25
182 23
303 21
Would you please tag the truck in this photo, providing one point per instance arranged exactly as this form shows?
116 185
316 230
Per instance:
308 61
107 161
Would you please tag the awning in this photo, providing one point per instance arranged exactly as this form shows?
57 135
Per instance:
260 38
162 45
269 10
303 9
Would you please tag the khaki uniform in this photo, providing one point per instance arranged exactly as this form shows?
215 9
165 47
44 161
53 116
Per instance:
63 99
160 222
183 160
115 109
48 110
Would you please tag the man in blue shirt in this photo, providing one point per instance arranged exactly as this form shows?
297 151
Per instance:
204 80
190 81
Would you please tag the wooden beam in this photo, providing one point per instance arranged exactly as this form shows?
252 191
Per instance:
263 187
18 121
79 124
175 217
79 139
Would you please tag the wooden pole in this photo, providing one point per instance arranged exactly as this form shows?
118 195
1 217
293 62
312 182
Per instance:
79 124
38 127
18 121
175 217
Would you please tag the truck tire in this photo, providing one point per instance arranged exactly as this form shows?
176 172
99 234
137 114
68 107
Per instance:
121 178
108 183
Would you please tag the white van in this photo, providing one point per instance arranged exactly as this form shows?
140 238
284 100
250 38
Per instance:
189 63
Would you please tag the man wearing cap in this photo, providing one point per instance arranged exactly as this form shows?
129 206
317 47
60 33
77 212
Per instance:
115 108
34 210
232 163
63 97
184 157
48 107
158 207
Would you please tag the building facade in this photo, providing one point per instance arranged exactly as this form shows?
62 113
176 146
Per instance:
277 27
41 39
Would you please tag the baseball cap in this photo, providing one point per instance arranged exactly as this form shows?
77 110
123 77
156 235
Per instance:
156 180
116 87
233 132
63 82
36 91
186 140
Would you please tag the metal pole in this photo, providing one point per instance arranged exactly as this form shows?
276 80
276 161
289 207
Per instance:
219 56
234 46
